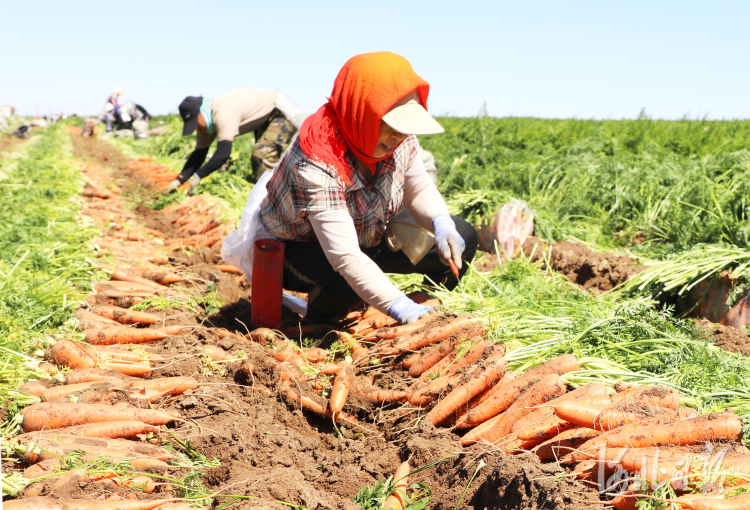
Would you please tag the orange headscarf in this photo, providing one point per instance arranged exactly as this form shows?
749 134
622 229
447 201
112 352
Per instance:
365 89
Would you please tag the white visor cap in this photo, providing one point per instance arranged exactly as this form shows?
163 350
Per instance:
412 119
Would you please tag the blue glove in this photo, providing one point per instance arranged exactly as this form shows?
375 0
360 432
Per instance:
407 311
449 242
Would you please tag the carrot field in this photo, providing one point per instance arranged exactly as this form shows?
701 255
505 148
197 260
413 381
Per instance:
605 363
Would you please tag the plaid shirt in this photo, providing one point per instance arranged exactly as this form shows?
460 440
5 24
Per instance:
301 186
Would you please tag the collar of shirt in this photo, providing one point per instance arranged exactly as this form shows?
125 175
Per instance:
207 116
358 182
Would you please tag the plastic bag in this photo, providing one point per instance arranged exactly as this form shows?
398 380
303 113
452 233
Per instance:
238 246
406 234
513 224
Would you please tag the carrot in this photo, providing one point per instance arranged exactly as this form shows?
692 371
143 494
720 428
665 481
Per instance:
315 354
475 434
564 443
377 321
356 348
60 391
111 429
68 353
159 276
684 469
434 389
84 315
117 298
125 287
586 450
417 341
119 354
93 374
453 361
54 416
290 355
546 429
215 352
645 396
307 403
484 395
385 396
545 389
548 409
45 447
597 416
49 368
340 391
389 333
125 316
475 384
110 336
226 268
36 388
397 498
127 368
501 399
708 427
431 356
409 361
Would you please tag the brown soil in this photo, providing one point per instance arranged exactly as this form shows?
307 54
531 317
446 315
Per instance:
727 337
7 143
586 268
273 451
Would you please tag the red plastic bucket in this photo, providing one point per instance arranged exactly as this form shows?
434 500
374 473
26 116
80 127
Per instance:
268 276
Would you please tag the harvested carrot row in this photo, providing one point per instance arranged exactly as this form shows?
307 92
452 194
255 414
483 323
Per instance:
417 341
548 409
434 389
431 357
504 396
453 361
478 382
54 416
588 449
708 427
125 316
545 389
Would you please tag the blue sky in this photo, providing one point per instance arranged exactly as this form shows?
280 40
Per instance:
551 59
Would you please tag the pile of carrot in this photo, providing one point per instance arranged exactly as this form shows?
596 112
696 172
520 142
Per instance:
199 218
461 381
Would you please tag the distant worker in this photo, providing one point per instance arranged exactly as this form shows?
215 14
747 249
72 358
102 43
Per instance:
112 107
269 114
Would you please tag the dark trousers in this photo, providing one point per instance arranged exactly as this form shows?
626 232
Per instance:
306 269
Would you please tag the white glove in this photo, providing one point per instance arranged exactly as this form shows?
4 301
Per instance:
172 187
194 182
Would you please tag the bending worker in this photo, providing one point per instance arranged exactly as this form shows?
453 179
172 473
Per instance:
270 114
353 167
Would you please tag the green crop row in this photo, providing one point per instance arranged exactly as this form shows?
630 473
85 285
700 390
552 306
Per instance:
45 257
672 183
